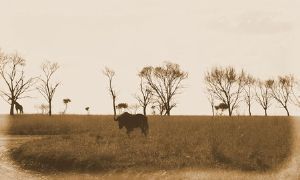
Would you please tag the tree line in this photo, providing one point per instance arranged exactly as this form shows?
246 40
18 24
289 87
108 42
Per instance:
226 88
158 86
231 87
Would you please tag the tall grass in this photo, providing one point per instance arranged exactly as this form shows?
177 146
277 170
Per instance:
96 143
55 125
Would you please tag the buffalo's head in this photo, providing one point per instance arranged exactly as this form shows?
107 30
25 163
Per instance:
122 119
121 123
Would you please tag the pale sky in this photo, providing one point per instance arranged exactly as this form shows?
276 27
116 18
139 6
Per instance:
261 36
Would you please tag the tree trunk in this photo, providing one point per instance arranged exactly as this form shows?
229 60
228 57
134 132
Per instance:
229 112
161 109
50 108
249 109
168 113
213 109
168 110
65 108
287 111
266 114
12 108
144 110
161 112
114 107
229 107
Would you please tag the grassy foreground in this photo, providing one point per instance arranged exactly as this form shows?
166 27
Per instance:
94 143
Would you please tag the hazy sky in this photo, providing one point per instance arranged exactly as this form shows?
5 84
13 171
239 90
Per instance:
261 36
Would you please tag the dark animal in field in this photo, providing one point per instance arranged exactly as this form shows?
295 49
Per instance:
222 107
131 121
19 108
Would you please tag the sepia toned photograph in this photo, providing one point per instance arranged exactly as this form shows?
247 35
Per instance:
149 90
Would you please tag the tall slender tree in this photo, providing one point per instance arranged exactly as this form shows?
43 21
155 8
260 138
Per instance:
46 87
110 74
145 96
248 88
263 94
211 100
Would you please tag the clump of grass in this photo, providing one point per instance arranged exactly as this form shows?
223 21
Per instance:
245 143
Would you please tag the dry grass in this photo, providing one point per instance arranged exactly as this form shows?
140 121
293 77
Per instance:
55 125
94 143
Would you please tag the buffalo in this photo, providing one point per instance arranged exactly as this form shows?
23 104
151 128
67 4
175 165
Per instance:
131 121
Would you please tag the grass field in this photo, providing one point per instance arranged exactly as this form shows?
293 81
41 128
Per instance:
94 143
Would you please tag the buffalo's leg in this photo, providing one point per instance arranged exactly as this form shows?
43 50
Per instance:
128 132
144 131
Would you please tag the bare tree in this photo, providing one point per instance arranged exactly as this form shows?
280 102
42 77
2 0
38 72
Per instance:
12 72
211 100
226 85
66 102
263 94
134 108
44 108
248 87
165 82
145 96
46 88
109 73
282 89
